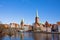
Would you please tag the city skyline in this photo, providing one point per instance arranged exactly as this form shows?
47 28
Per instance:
15 10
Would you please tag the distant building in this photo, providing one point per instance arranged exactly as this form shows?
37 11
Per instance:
25 27
58 23
37 26
14 25
48 27
6 26
54 28
3 27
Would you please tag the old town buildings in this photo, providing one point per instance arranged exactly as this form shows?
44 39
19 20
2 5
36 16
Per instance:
25 27
36 26
14 25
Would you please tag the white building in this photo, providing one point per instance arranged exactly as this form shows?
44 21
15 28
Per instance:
58 28
14 25
58 23
48 29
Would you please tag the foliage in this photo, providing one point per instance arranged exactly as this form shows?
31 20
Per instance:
2 27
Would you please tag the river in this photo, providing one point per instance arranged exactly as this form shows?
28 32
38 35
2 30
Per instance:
30 36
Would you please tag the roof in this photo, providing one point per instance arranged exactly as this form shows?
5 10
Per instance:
58 23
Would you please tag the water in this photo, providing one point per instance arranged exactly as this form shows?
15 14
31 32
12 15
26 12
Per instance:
30 36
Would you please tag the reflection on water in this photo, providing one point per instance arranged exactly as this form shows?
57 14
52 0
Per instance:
30 36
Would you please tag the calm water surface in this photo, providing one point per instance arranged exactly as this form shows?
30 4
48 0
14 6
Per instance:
30 36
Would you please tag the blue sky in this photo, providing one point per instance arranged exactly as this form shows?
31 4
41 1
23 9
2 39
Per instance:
15 10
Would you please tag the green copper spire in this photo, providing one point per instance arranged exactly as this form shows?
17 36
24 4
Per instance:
22 20
37 13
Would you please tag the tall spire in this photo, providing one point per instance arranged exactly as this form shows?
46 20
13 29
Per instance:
37 17
37 13
22 20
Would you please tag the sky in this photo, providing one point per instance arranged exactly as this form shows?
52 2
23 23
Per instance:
16 10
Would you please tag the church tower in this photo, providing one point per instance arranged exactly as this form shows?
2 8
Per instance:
37 17
22 22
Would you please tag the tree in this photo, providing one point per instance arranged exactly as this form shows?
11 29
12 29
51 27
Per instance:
2 27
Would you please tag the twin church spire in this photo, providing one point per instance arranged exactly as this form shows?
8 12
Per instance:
22 21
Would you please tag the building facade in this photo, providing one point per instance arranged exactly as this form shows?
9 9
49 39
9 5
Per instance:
58 23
